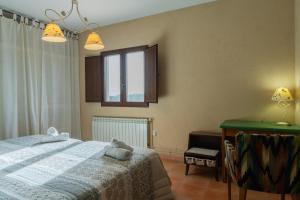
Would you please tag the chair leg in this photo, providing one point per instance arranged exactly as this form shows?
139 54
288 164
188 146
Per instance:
282 197
242 194
295 196
229 187
187 167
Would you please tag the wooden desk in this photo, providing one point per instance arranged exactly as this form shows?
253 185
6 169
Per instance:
231 127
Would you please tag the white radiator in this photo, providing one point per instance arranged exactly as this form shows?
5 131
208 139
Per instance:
133 131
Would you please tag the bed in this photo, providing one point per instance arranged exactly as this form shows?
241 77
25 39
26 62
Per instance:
74 169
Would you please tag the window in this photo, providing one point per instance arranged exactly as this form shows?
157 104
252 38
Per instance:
112 82
135 76
125 77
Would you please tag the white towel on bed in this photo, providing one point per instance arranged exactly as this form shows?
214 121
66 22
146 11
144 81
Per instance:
48 139
119 144
118 153
53 136
52 131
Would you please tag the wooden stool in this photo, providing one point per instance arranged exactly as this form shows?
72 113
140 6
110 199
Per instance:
203 150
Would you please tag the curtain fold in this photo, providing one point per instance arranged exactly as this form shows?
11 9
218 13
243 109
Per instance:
39 82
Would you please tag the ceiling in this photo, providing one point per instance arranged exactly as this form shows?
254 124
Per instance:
103 12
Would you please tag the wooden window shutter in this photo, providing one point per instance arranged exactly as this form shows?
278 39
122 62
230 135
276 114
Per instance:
93 79
151 74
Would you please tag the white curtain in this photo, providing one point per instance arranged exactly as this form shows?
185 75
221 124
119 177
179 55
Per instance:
39 82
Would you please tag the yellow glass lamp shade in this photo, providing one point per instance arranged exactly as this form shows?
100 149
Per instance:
282 95
53 33
94 42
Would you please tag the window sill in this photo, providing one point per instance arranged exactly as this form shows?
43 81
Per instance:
127 104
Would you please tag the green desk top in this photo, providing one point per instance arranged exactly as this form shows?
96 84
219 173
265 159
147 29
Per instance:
259 126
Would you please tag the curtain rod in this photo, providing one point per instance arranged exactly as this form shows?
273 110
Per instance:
10 15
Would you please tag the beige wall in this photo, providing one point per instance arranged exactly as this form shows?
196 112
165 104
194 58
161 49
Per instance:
217 61
297 60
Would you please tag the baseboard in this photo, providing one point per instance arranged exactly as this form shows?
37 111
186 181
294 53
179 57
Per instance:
170 154
178 158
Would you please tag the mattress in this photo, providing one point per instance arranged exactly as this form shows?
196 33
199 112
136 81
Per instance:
74 169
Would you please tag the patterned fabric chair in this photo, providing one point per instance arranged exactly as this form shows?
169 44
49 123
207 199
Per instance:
268 163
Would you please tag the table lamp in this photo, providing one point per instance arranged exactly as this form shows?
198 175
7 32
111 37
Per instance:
283 98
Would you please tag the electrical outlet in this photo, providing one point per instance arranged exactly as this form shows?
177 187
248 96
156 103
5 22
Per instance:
154 133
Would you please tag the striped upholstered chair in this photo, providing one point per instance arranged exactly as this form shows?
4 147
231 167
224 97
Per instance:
268 163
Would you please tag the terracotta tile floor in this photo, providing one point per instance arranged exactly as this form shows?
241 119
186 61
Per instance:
200 184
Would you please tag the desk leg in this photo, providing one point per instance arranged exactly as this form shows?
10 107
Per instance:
224 173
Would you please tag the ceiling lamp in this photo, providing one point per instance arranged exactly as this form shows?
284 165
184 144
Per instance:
53 33
94 42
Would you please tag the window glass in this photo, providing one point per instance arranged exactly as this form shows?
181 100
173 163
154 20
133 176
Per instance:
135 76
112 65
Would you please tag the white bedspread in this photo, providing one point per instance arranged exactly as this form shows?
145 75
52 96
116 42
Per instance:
74 169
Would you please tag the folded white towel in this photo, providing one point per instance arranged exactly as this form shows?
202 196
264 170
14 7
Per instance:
48 139
119 144
66 134
53 136
52 131
118 153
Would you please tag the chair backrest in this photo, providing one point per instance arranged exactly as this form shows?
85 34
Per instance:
269 163
230 160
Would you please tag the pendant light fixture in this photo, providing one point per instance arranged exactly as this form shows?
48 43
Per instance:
53 33
94 42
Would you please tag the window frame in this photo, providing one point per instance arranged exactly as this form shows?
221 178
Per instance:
123 83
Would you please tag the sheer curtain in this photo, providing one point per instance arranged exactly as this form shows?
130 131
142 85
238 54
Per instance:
39 82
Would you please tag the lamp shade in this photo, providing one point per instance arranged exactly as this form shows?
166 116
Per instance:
94 42
282 94
53 33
